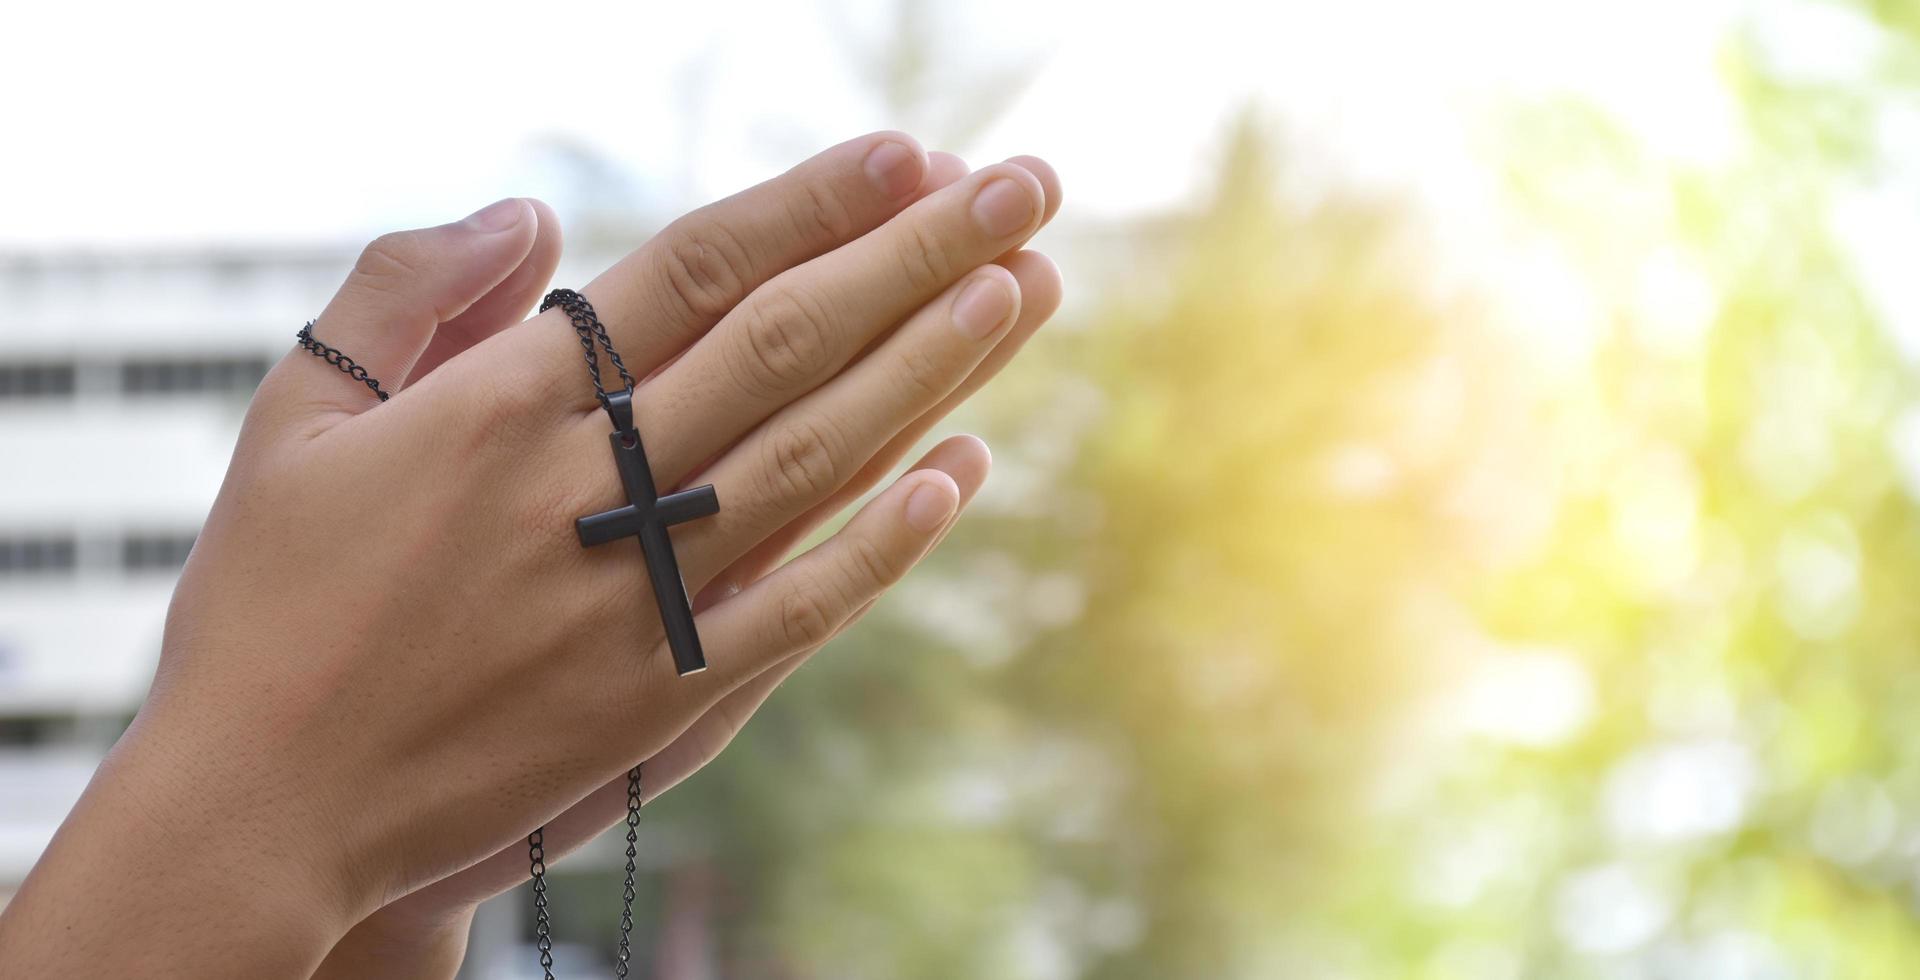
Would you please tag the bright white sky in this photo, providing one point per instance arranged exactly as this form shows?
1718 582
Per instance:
227 121
224 120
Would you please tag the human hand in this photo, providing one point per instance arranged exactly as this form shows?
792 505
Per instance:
424 933
389 658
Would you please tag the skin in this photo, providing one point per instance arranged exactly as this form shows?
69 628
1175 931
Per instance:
388 659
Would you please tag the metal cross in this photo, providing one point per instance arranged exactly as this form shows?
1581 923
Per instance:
647 516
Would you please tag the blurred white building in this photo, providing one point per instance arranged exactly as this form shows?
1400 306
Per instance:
123 377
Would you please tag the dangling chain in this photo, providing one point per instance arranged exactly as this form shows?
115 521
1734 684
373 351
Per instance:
542 924
626 891
537 864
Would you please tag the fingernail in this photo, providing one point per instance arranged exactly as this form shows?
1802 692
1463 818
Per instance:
498 216
1003 207
981 307
894 168
929 506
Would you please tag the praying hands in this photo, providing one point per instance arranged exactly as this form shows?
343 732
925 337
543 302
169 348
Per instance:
390 658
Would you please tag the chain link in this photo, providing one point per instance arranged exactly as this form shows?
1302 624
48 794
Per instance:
537 867
626 891
587 325
542 923
335 357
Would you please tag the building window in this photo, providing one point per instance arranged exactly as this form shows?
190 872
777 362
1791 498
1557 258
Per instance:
21 730
46 380
23 556
155 552
187 376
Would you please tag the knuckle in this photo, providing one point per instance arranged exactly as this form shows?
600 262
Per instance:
874 567
802 460
924 260
707 267
390 260
803 619
783 341
393 268
512 399
922 376
819 215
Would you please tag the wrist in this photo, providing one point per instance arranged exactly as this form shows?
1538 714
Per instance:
193 875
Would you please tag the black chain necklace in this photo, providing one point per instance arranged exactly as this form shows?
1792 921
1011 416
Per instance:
646 517
592 334
542 918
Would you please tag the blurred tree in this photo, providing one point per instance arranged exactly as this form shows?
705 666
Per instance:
1734 562
1180 699
1284 432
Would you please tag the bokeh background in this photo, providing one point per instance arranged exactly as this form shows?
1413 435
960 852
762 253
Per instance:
1461 526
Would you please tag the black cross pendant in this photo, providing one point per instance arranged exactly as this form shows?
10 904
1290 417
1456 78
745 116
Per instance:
647 517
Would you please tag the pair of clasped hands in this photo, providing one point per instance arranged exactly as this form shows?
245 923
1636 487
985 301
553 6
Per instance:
389 658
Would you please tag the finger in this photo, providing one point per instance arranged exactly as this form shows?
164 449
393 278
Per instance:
966 459
804 326
674 288
808 599
813 447
403 286
1049 181
1040 294
943 168
508 303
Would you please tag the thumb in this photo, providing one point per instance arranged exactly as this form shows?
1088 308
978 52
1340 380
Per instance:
403 286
